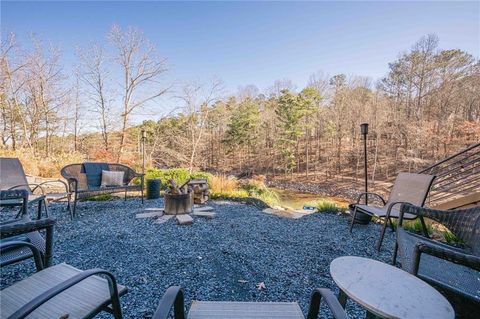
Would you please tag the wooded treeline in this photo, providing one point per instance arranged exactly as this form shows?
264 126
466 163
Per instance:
426 107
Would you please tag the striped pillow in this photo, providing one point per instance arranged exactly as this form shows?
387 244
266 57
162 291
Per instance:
112 178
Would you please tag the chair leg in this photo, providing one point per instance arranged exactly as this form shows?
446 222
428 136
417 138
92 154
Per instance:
142 195
382 234
353 218
69 206
125 195
74 212
395 251
39 209
391 225
424 226
342 298
45 203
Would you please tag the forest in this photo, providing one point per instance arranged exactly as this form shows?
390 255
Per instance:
426 107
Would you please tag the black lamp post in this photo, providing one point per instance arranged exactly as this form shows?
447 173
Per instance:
144 138
364 130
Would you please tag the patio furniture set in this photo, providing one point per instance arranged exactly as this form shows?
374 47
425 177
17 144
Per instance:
62 291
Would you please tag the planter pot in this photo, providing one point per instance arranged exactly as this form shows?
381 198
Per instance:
153 188
360 218
178 204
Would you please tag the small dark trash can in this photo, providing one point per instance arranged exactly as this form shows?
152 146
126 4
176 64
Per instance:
360 218
153 188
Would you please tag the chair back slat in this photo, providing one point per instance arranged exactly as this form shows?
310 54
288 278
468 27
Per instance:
411 187
12 174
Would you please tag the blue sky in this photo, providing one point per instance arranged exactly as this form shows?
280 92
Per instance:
256 42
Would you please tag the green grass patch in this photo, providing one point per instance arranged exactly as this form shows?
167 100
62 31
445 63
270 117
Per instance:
451 238
327 205
101 198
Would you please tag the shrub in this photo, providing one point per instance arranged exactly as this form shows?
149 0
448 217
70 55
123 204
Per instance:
259 190
240 193
37 165
223 184
327 205
451 238
416 226
179 175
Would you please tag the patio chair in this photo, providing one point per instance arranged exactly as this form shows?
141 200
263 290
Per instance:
173 297
60 291
408 188
26 230
12 176
453 269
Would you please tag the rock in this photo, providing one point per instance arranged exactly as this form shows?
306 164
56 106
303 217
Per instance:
150 214
208 215
163 219
153 209
184 219
203 209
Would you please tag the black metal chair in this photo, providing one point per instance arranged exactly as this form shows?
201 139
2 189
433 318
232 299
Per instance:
25 230
60 291
12 176
173 298
408 188
454 269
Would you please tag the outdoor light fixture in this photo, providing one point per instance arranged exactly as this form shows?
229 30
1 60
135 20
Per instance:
364 130
144 138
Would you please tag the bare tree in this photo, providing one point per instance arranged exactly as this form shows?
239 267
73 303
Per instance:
12 81
46 92
141 69
197 100
94 74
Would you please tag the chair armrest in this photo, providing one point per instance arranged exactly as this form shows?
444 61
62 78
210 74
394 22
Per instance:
331 301
369 193
25 226
37 256
28 308
389 210
445 253
51 182
29 186
173 297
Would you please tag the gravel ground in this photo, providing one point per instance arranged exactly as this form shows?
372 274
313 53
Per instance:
291 257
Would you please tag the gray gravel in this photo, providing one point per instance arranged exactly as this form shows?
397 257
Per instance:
209 257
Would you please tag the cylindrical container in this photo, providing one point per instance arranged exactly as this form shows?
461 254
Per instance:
177 204
360 218
153 188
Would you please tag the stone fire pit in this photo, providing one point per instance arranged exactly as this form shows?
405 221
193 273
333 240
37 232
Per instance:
178 204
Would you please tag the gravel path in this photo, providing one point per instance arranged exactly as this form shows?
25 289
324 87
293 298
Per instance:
210 257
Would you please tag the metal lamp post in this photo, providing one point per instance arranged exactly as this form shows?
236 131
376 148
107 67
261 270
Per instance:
364 130
144 138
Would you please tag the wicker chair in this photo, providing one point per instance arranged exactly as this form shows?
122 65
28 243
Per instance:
78 184
408 188
453 269
173 298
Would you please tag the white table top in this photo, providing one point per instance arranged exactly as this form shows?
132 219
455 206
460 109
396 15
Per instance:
388 291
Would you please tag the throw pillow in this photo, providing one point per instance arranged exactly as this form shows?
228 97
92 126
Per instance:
112 178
